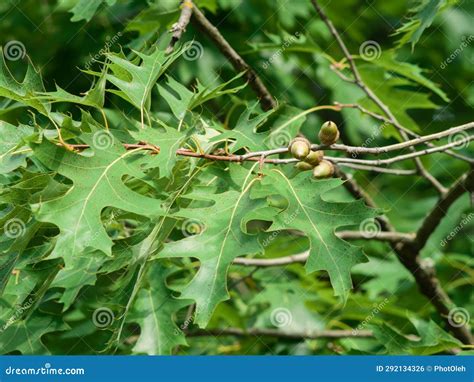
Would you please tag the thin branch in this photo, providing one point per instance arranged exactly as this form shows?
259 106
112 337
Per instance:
258 155
375 150
464 184
179 27
415 154
239 64
385 120
394 237
405 144
382 170
391 237
408 255
263 332
359 82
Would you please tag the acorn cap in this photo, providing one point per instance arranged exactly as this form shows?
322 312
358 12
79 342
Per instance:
300 148
323 170
314 157
296 139
303 166
329 133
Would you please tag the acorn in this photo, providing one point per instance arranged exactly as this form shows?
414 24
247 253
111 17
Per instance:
314 157
299 147
323 170
329 133
304 166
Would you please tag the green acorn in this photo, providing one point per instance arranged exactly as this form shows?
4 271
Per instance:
314 157
329 133
323 170
299 148
304 166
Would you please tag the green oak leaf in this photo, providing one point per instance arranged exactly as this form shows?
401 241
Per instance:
97 183
12 155
153 310
24 91
16 226
222 239
79 271
186 100
318 219
285 125
386 276
94 97
168 139
388 61
395 93
21 324
245 134
423 14
432 340
86 9
287 307
135 80
25 336
179 100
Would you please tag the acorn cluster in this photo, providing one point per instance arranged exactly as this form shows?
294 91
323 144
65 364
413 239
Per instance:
300 148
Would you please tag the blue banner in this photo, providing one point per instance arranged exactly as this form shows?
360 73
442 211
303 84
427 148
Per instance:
242 369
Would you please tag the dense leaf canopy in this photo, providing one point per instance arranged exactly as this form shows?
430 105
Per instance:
149 204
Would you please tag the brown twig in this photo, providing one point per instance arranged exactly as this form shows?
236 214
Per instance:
382 170
393 237
364 164
408 255
239 64
385 120
414 154
432 220
371 95
179 27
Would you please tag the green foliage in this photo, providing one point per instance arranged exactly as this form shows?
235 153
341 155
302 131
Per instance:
114 221
308 212
423 14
